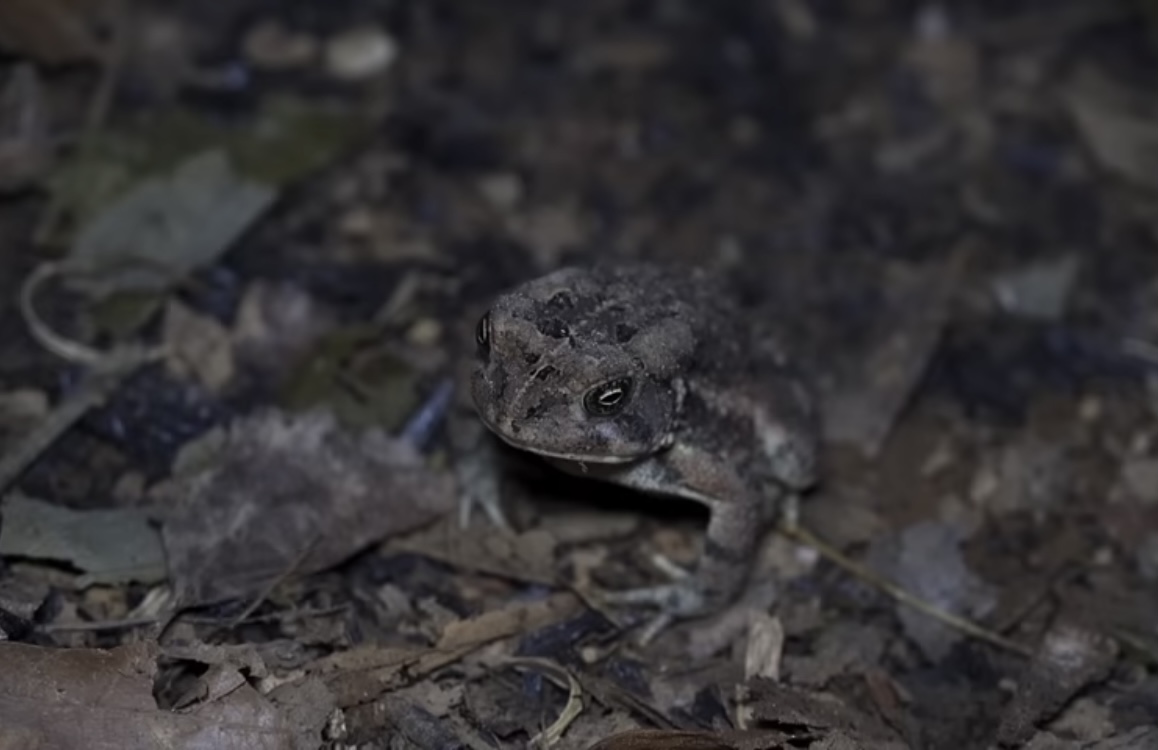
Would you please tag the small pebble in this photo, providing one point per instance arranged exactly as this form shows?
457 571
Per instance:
357 223
425 332
1090 409
360 53
504 190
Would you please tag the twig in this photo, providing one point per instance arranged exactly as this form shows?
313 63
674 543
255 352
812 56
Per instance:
97 625
803 536
563 678
280 579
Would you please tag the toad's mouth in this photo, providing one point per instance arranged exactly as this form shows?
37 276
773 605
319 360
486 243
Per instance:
566 456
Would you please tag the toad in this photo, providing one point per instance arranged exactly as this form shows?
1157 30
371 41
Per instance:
652 378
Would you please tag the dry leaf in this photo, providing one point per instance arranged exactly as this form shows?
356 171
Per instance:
83 699
165 228
109 545
278 494
1123 137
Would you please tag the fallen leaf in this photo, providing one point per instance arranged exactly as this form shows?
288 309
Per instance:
1121 134
289 139
806 718
363 673
842 648
1068 660
96 699
528 556
925 559
157 234
1040 291
114 545
278 494
20 600
864 405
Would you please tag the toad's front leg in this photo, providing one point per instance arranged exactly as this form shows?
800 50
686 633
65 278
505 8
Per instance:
730 546
737 523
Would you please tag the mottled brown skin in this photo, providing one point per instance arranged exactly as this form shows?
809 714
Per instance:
651 378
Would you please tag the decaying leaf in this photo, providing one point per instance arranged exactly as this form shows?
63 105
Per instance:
114 545
278 495
864 406
361 673
1041 290
92 698
166 228
1120 133
290 139
816 719
1069 659
925 559
528 556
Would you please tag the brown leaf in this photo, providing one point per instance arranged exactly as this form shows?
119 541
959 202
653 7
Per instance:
96 698
1119 126
1069 659
281 494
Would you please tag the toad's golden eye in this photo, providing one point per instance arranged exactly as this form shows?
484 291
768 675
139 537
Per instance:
608 399
482 333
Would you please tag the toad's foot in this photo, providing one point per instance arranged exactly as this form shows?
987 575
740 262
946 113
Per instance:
477 466
478 482
683 598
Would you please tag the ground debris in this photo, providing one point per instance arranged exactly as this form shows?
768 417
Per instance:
1121 137
863 409
108 546
1068 660
925 559
277 494
163 229
94 698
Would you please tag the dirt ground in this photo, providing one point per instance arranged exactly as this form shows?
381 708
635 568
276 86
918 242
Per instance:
245 247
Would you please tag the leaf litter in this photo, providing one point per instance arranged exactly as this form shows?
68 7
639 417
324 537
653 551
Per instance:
275 494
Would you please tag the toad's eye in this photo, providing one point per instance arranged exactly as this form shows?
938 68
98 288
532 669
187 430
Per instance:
607 399
482 333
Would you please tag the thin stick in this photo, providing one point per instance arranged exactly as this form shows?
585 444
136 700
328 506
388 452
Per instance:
803 536
273 584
